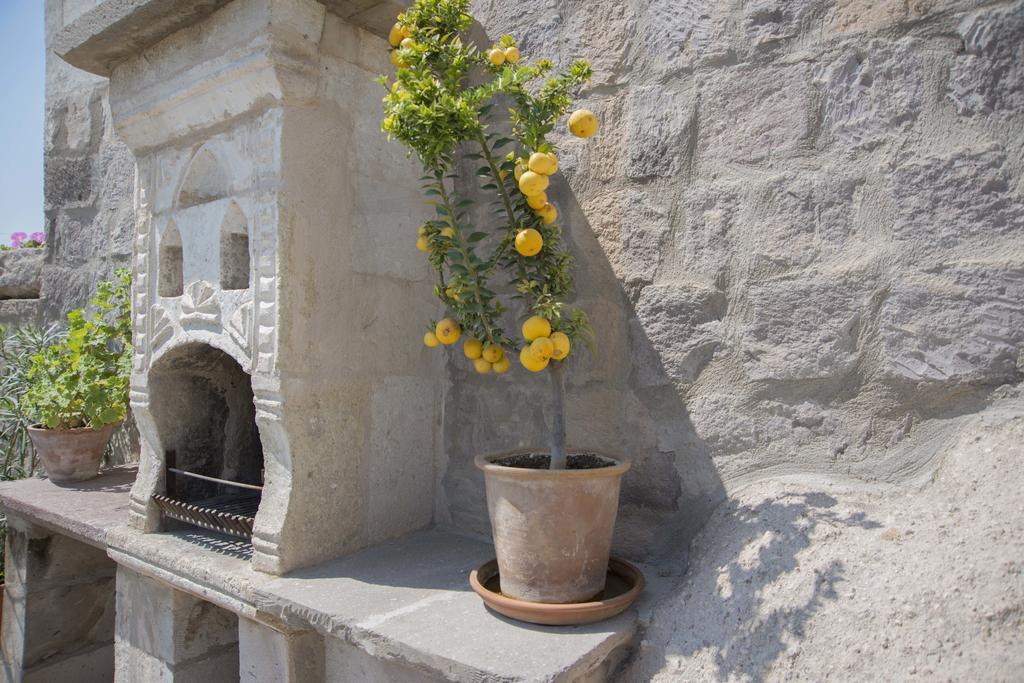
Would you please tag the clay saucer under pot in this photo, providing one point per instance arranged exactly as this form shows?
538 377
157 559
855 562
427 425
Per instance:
625 582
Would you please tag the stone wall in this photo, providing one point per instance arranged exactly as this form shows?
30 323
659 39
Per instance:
89 180
799 238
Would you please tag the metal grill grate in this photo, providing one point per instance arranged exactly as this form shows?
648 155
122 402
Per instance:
228 514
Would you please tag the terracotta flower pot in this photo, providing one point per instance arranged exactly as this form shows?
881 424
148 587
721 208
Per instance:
552 528
70 455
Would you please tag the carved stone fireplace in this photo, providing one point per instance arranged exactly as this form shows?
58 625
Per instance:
274 304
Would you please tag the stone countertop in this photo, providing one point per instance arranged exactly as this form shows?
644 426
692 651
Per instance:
405 600
85 511
409 600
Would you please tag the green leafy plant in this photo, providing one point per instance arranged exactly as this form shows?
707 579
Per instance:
453 104
17 347
82 379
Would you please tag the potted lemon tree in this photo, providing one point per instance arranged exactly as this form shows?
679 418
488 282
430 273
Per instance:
456 106
78 389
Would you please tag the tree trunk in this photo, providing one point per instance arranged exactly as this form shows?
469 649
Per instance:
558 455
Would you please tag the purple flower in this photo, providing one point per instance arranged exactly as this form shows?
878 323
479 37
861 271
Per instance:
17 238
38 237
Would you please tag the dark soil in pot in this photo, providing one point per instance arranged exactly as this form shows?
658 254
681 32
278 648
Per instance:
542 461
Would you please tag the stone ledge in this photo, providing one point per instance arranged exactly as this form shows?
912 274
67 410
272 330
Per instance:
210 566
85 511
114 30
403 603
19 273
19 311
409 601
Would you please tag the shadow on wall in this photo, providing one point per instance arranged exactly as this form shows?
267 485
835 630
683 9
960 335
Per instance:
746 602
621 399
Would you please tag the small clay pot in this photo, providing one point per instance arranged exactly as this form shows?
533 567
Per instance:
552 528
70 455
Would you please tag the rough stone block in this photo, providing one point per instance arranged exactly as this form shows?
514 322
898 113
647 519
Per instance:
769 21
797 219
662 128
270 656
20 271
19 311
959 323
936 212
988 75
798 329
677 325
68 182
754 115
872 95
601 32
671 36
171 635
58 606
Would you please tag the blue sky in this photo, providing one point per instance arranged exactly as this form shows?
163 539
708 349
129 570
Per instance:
22 75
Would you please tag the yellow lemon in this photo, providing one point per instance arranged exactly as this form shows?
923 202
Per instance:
583 123
472 347
397 60
512 54
560 342
532 183
502 366
422 232
406 31
521 168
481 366
395 35
448 232
492 353
529 242
452 294
422 243
530 361
448 331
548 214
543 163
536 327
496 56
537 201
430 339
541 347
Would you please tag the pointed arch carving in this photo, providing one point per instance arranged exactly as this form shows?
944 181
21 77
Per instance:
205 180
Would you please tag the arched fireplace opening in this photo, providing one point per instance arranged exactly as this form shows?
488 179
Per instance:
202 402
